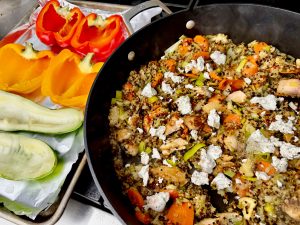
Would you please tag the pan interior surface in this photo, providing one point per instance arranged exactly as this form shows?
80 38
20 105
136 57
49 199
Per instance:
241 22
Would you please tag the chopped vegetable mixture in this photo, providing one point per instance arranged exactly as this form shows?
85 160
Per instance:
211 119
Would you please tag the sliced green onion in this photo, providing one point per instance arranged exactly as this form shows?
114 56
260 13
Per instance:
113 101
171 162
142 146
260 156
192 151
229 173
152 99
200 80
218 70
241 65
118 95
148 150
249 178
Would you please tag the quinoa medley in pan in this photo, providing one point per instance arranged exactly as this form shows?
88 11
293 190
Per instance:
211 123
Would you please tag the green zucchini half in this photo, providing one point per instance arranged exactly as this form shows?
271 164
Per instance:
20 114
24 158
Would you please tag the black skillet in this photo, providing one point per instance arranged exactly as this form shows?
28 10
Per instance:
241 22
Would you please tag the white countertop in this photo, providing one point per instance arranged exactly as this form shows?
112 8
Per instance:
81 214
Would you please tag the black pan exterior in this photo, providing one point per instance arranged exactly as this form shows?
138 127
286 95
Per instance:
241 22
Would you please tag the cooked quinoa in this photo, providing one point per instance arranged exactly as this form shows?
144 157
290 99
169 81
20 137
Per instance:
211 117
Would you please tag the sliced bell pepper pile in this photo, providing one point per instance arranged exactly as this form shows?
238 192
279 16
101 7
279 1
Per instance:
98 35
68 79
22 68
55 25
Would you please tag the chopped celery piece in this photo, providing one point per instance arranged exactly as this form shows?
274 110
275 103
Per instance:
118 95
241 65
218 70
113 101
178 91
200 80
171 162
152 99
229 173
192 151
249 178
148 150
142 146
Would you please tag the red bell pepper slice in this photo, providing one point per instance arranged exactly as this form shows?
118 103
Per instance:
55 25
98 35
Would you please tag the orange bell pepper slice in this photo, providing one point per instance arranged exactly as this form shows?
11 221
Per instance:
22 68
68 79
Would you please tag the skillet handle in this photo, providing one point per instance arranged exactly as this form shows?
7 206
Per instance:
140 8
192 4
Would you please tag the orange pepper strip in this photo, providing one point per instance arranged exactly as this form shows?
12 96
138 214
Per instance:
266 167
251 67
181 214
68 79
202 42
22 68
135 197
215 76
144 218
260 46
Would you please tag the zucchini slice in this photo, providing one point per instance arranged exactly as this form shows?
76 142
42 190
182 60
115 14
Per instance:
20 114
24 158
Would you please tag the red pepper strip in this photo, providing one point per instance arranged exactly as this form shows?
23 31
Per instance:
56 24
99 36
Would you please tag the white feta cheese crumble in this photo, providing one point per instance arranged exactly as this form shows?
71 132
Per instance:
283 127
214 151
160 180
258 142
184 105
222 182
208 67
140 130
262 175
206 75
238 181
173 77
148 91
207 164
157 202
165 162
213 119
127 165
211 89
289 151
144 174
296 139
218 57
194 134
268 102
197 64
189 66
279 184
199 178
247 80
293 106
155 154
166 88
144 158
158 132
280 164
189 86
200 64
